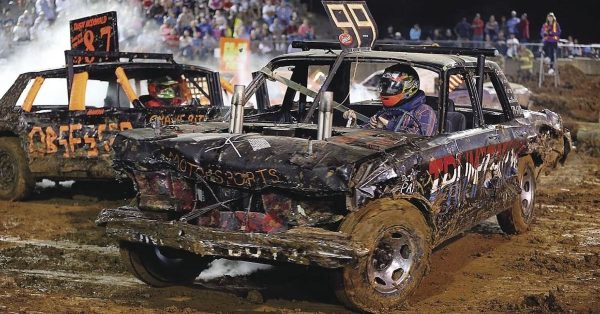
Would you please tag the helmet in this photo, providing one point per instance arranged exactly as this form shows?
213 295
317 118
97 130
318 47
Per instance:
398 83
164 88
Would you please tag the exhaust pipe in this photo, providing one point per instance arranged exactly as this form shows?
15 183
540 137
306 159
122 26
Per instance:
236 120
324 127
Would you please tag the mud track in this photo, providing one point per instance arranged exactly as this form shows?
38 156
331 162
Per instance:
54 259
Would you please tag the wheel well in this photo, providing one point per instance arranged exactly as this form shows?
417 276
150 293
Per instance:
425 208
8 134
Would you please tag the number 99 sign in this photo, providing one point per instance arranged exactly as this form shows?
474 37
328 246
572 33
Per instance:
94 33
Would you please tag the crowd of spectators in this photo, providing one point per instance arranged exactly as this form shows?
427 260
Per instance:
192 28
506 34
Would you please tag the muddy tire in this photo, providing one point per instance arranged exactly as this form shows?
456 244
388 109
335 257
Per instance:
517 219
162 267
16 182
399 240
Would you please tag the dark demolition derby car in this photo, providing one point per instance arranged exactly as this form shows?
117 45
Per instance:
369 204
60 124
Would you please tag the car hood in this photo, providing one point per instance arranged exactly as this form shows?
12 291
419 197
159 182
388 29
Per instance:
254 161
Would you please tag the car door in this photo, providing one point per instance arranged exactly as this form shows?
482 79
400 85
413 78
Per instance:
468 177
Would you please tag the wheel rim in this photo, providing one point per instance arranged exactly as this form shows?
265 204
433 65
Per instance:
527 194
8 171
392 260
166 260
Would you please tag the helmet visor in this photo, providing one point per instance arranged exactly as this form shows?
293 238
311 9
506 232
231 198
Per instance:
391 83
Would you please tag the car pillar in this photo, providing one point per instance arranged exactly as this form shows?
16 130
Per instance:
325 116
236 121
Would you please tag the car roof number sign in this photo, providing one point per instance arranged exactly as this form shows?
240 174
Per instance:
94 33
353 20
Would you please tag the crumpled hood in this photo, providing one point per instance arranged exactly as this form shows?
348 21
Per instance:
253 161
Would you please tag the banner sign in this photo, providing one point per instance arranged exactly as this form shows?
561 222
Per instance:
94 33
353 20
235 53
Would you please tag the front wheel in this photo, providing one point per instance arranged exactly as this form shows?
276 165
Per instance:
16 182
399 241
162 267
517 219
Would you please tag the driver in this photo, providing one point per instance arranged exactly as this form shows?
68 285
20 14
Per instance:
165 93
404 108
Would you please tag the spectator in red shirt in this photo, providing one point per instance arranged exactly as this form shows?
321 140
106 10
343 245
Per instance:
524 29
477 25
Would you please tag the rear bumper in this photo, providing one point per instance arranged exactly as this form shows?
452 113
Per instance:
305 246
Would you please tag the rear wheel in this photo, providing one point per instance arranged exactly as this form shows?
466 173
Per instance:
162 267
399 242
16 182
517 219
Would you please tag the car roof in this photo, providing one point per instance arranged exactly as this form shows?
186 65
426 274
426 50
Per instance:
432 60
124 65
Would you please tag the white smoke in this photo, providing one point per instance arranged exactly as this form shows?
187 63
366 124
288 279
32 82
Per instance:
46 51
223 267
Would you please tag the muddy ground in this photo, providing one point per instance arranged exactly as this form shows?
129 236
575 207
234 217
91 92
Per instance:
53 259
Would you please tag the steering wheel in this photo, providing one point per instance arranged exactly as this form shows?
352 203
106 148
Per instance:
419 125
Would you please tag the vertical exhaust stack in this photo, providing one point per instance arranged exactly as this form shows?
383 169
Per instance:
236 120
324 127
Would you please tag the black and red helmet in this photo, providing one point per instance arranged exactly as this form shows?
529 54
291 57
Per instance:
398 82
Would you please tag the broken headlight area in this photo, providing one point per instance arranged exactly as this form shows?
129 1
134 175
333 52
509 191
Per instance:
272 212
210 205
161 190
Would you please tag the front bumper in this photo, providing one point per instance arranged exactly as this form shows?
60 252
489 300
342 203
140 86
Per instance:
302 245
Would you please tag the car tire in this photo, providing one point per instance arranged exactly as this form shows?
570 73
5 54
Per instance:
517 219
162 267
16 181
399 242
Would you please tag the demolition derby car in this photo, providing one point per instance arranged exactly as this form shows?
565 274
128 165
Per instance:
368 204
60 124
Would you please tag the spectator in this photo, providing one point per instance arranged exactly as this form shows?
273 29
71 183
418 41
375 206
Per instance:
389 33
205 27
477 28
415 32
48 8
292 29
492 28
284 12
551 35
526 58
165 30
398 36
156 11
197 45
512 45
513 23
40 24
185 45
28 18
502 26
463 29
306 31
171 18
524 29
268 12
184 19
172 41
277 28
437 35
20 31
209 44
266 45
216 4
500 43
449 35
577 51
